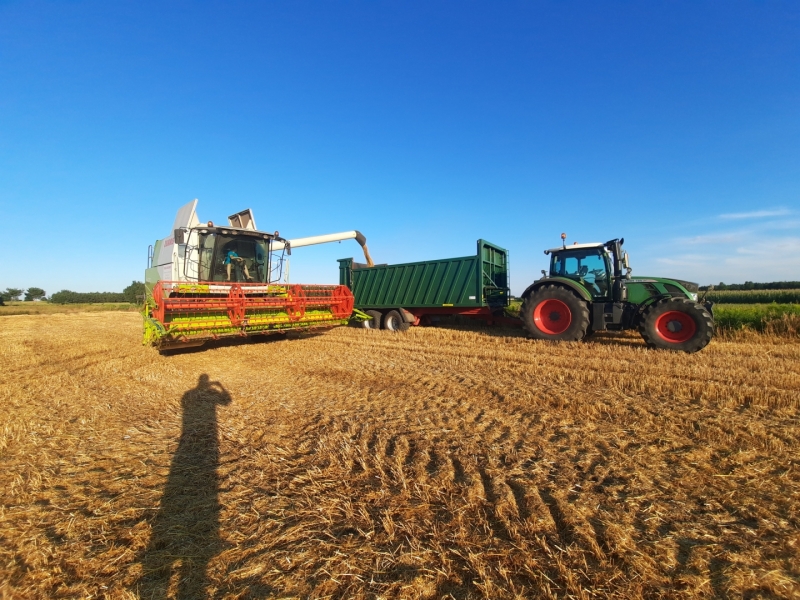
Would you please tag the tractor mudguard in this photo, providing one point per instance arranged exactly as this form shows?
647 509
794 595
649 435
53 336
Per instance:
637 313
576 287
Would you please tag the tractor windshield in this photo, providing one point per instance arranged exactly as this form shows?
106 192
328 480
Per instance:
234 258
588 267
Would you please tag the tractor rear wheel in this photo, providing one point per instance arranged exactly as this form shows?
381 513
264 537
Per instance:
393 321
555 313
677 324
374 322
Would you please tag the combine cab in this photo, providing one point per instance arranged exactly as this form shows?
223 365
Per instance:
206 282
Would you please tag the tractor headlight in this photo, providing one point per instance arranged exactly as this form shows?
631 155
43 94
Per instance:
693 296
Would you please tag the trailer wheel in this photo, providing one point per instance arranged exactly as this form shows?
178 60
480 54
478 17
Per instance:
374 322
555 313
677 324
392 321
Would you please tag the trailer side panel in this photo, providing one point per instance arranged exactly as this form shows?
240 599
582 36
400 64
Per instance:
464 282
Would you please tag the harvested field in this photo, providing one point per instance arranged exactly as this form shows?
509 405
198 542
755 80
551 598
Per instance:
442 463
46 308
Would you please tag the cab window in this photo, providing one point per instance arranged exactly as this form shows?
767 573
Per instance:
588 267
253 253
206 255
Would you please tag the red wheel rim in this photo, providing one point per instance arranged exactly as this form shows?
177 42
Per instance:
552 316
675 326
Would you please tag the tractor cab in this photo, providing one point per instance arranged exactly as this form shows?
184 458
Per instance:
588 264
599 269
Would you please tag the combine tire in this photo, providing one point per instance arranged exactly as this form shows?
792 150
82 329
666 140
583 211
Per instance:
394 322
555 313
677 324
374 322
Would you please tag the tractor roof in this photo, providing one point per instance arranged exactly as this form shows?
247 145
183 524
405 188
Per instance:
575 247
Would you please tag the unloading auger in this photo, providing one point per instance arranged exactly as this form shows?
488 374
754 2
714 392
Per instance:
208 281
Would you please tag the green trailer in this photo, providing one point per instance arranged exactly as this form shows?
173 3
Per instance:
398 296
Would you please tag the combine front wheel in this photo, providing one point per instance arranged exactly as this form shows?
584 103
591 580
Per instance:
374 322
554 313
677 324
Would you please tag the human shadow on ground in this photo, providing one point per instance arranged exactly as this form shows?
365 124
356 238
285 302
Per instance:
185 531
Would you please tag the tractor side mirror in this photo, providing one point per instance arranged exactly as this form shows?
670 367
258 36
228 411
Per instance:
178 234
627 265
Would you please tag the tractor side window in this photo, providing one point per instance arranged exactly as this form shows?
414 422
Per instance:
594 273
571 265
589 268
564 266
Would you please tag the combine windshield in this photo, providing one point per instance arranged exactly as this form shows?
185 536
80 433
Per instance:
234 258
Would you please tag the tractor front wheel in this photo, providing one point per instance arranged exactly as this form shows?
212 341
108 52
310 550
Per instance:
677 324
555 313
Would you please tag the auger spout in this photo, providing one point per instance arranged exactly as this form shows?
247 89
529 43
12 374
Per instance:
330 237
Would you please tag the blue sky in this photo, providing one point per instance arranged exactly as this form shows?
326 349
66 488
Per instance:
424 125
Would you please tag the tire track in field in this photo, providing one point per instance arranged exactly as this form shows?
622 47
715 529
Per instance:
476 475
420 449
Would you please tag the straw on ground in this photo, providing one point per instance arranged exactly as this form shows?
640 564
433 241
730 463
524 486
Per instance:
357 464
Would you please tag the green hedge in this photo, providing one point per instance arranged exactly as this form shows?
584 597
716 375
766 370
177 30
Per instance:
70 297
133 294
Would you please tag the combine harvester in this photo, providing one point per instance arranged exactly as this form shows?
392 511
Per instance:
207 281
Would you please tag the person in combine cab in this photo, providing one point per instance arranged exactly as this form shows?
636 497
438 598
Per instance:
230 257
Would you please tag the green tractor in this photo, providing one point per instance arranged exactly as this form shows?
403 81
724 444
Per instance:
589 288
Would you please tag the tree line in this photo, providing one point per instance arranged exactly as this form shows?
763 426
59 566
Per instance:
134 294
749 285
32 293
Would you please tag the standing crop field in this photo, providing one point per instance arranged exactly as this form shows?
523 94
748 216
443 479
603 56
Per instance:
783 319
753 296
440 463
